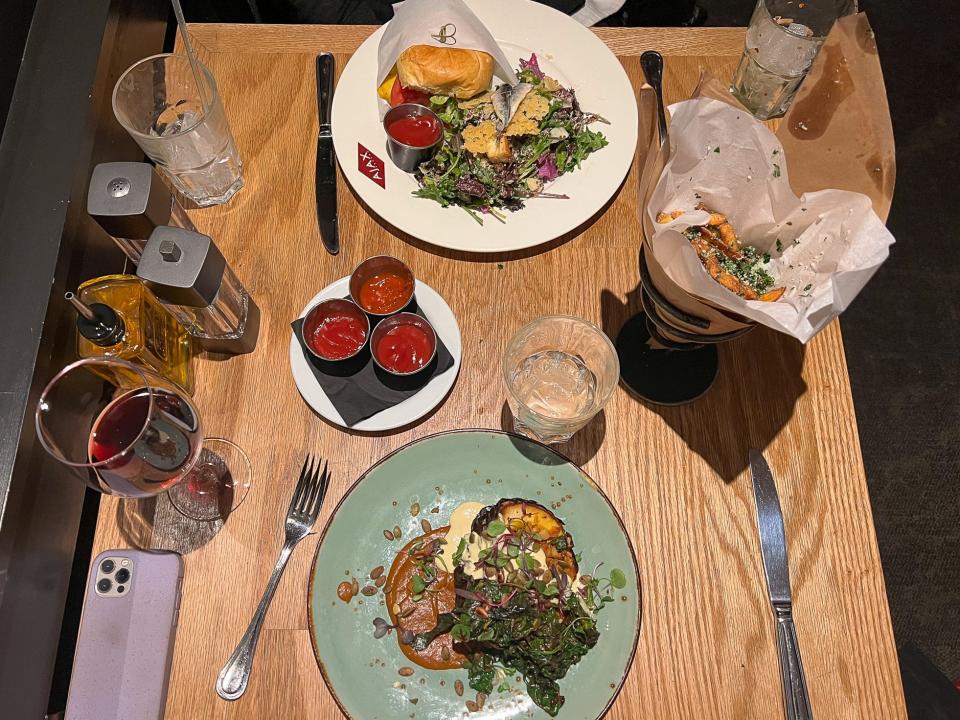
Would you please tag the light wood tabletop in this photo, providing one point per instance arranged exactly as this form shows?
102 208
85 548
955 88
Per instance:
677 475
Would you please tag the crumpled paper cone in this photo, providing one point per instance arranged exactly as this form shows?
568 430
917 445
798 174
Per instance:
441 23
825 245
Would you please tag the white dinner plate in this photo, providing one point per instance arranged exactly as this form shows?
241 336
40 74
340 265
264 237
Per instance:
567 51
414 407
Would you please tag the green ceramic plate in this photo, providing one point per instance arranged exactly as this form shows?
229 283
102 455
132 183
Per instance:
443 471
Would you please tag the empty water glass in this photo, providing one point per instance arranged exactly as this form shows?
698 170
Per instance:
158 102
559 371
782 42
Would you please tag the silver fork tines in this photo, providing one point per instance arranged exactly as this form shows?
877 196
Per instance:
301 515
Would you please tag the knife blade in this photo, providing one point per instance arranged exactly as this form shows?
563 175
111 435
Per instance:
773 541
326 173
773 550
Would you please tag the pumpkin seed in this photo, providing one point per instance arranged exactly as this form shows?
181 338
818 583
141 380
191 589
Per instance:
425 524
405 671
408 612
396 532
388 535
415 509
414 701
435 510
368 590
380 581
354 586
458 687
481 699
396 609
472 706
376 572
445 653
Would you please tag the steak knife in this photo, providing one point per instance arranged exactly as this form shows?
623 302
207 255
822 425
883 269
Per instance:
326 178
773 547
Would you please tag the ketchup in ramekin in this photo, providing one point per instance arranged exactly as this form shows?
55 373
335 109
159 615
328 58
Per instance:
335 329
417 131
414 133
403 344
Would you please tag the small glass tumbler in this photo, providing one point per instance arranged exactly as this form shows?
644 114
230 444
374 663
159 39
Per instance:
783 40
158 103
560 371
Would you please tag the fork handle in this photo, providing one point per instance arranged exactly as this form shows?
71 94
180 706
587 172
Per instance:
233 678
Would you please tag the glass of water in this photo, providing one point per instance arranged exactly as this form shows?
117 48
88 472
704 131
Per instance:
783 39
158 102
559 371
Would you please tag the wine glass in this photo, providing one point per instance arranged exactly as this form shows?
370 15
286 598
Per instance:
141 436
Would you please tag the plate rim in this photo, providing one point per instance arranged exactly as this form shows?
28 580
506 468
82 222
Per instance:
568 233
457 362
490 431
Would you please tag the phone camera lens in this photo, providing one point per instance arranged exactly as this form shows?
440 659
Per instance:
107 566
104 585
123 575
120 588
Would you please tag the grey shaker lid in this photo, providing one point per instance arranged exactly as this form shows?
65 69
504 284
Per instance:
182 267
128 199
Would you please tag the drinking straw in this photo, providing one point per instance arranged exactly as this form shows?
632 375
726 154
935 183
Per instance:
178 11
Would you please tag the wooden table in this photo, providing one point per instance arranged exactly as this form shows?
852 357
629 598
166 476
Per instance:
707 644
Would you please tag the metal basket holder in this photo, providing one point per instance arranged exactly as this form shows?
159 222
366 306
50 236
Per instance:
667 370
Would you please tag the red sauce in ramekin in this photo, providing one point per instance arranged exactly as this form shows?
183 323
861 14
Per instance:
404 348
415 130
337 336
385 293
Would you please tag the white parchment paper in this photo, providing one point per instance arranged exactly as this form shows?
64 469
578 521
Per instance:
824 246
443 23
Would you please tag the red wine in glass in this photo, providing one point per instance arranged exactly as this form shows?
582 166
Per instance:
146 452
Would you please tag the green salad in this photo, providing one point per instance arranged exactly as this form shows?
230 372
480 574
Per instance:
505 146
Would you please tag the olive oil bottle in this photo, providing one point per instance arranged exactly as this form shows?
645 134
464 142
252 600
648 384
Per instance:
119 317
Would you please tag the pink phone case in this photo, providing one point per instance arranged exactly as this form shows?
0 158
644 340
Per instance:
125 644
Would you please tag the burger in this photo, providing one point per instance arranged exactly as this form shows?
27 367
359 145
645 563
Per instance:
425 70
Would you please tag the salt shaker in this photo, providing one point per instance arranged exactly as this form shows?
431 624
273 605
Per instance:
129 200
188 273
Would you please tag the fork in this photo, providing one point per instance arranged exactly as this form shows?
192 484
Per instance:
301 515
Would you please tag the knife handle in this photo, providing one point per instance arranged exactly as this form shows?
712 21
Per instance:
325 69
795 697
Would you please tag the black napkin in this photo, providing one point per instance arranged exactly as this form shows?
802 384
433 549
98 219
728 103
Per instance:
358 389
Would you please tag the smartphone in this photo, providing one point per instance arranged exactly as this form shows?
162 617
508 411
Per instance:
125 643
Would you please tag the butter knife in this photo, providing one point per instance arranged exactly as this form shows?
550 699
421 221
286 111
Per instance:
326 175
773 548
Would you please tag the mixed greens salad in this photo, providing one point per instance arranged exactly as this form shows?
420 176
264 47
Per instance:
505 146
522 607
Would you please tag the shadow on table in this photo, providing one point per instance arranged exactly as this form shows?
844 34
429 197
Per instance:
580 449
754 395
154 523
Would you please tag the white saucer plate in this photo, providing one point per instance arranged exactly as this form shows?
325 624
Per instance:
415 406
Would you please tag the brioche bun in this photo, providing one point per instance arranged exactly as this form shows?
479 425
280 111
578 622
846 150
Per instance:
445 71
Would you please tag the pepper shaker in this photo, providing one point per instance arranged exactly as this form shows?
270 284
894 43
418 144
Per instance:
129 200
190 276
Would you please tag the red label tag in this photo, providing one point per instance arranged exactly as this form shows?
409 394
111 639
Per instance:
371 166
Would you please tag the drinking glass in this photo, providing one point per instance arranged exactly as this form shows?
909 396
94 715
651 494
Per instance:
559 371
782 41
128 431
158 102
